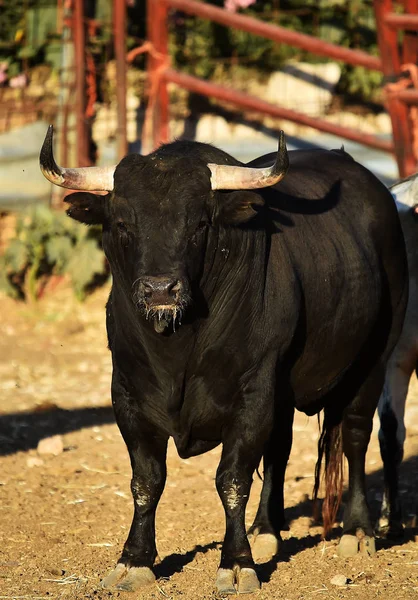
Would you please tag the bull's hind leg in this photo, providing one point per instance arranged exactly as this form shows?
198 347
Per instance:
392 437
148 459
358 535
264 534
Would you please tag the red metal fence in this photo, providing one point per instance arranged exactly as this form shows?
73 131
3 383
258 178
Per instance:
394 59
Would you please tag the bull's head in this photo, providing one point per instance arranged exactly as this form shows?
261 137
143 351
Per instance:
157 213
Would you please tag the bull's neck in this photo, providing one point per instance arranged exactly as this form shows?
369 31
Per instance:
234 269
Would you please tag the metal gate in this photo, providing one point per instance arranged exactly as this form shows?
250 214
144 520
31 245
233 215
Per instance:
397 61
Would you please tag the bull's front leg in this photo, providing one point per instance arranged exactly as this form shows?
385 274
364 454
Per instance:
147 452
240 458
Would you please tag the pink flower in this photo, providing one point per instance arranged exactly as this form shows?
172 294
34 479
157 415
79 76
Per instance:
19 81
234 5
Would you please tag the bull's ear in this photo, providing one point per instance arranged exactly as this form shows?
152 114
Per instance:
87 208
237 207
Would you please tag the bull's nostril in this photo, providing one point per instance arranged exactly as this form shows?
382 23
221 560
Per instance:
174 288
160 290
147 290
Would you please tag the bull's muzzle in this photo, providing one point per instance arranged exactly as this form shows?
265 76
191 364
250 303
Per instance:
162 299
160 291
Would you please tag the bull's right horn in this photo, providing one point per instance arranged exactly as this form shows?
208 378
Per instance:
94 179
229 177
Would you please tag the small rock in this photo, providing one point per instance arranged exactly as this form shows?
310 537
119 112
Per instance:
339 580
52 445
34 461
55 571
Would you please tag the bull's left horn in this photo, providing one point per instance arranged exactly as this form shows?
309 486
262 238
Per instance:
228 177
94 179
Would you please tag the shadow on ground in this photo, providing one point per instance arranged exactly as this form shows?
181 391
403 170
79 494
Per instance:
292 546
23 431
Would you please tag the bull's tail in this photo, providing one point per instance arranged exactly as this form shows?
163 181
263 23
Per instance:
330 447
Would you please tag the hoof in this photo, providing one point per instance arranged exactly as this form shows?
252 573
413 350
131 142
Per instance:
264 547
237 581
367 546
128 579
247 581
225 580
350 545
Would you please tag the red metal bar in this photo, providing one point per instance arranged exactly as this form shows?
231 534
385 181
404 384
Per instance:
404 21
410 40
277 34
80 76
409 96
200 86
119 18
398 110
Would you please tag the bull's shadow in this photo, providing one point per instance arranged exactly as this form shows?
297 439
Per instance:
374 484
22 431
174 563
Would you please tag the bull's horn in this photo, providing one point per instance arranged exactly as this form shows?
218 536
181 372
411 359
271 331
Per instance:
95 179
228 177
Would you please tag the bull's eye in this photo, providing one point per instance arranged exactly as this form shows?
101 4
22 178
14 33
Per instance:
123 233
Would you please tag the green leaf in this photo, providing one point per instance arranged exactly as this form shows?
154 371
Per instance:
86 261
5 285
59 251
16 256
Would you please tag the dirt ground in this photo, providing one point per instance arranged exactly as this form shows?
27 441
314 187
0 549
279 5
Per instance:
65 518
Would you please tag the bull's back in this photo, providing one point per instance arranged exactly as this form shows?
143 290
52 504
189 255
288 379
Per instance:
338 226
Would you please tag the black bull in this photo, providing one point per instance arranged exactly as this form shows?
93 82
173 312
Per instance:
228 310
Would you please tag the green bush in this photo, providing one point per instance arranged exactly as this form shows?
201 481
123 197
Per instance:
49 244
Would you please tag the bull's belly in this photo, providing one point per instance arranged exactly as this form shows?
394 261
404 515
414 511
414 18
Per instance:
194 447
319 370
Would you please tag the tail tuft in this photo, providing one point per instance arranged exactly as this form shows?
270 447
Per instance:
330 446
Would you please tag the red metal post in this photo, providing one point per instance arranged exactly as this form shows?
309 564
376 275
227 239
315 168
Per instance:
277 34
119 17
206 88
398 111
80 76
410 41
161 134
156 132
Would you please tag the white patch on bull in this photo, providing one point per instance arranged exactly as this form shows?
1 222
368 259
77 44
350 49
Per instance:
232 495
405 193
140 493
384 513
